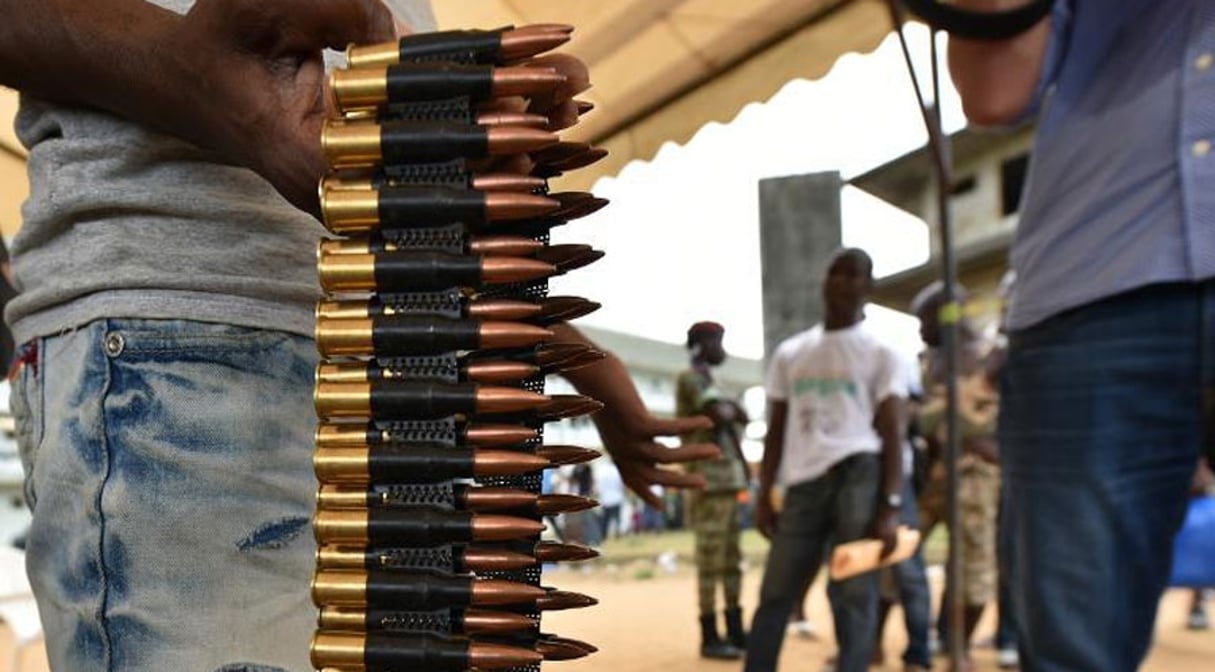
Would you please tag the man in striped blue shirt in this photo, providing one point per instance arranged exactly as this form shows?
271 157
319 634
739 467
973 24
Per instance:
1107 396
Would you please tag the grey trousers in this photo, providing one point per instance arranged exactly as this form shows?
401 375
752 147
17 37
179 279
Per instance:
839 506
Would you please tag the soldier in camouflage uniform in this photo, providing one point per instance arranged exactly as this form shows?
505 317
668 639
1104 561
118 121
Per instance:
978 465
714 510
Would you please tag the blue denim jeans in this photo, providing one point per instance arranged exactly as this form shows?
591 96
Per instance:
839 506
1006 630
169 473
914 595
1101 421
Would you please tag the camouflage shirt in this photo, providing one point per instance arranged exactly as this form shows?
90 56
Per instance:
694 392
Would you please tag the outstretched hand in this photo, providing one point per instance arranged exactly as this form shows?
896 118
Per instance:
640 458
628 429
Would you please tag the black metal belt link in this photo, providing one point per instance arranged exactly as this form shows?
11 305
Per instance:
453 109
417 494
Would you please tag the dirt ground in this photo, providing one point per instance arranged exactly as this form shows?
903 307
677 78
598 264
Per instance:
646 622
650 626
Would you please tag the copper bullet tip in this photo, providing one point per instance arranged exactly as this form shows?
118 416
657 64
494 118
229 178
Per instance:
507 182
508 399
559 600
582 160
506 270
497 498
551 354
480 559
489 527
548 28
583 209
561 648
484 656
586 359
551 505
524 81
503 310
504 246
488 621
569 257
497 335
576 362
552 551
560 254
503 206
500 372
584 106
585 646
508 118
507 462
563 455
568 406
491 592
565 308
499 435
519 139
530 41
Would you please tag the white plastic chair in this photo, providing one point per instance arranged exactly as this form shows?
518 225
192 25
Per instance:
17 607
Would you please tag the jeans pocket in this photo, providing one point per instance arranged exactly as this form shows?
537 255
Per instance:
26 405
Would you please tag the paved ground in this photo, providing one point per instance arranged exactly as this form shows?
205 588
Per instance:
646 622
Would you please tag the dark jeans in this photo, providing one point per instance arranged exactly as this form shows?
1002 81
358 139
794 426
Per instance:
840 506
1102 416
914 595
611 522
1006 632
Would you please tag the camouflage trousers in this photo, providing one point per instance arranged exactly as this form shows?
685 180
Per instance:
979 504
715 524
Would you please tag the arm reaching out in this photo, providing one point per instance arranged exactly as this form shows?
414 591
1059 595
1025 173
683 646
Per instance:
890 425
243 78
628 429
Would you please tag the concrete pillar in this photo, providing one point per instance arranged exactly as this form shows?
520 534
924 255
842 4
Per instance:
799 230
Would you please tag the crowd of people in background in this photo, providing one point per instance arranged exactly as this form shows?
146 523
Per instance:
825 467
818 450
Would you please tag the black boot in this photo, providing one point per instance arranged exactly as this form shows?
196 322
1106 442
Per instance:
712 646
734 628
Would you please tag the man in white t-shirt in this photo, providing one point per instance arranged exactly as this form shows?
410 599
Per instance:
835 428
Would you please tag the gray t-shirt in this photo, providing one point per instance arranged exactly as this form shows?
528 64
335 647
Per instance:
126 222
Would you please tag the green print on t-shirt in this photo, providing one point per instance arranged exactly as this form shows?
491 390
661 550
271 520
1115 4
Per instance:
824 387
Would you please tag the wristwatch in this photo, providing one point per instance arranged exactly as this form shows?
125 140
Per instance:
894 501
